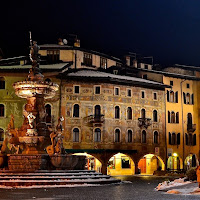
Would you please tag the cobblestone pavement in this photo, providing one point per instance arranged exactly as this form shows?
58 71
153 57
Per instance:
135 187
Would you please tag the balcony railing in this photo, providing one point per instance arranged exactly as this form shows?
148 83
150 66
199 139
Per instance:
96 119
144 122
191 128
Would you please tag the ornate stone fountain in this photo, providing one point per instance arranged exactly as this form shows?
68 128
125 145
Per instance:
35 146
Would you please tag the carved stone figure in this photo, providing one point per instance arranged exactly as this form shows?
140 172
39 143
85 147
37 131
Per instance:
11 123
31 119
56 146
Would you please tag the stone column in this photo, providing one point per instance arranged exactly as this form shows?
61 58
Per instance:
104 168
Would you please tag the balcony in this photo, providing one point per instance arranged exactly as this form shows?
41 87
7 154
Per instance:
95 119
144 122
191 128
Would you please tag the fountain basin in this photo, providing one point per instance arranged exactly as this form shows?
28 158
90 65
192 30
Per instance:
31 140
67 161
28 89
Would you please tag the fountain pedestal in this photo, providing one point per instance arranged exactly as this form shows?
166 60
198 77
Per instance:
27 163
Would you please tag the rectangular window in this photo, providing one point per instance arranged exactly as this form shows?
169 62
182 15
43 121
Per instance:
87 59
188 85
53 56
155 96
171 83
142 94
103 63
97 89
129 93
146 66
117 91
76 89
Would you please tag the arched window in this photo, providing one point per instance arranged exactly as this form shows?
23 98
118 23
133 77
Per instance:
1 134
75 135
97 135
143 114
76 110
173 138
48 113
2 83
117 112
155 116
117 135
2 110
177 117
172 117
171 96
130 136
97 111
155 137
187 98
129 113
143 136
170 138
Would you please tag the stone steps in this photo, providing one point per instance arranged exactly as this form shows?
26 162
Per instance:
49 178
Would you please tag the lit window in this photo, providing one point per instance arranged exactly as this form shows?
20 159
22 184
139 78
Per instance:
103 63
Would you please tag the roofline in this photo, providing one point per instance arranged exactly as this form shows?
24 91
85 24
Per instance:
43 47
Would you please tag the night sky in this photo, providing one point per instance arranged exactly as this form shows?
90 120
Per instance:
168 30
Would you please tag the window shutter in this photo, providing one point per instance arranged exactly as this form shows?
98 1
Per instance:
184 98
192 99
194 140
169 138
178 138
167 96
176 97
186 138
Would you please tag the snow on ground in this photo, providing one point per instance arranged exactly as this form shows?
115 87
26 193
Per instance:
167 184
179 186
